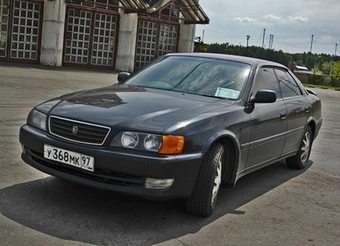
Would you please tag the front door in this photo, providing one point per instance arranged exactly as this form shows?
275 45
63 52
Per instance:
268 122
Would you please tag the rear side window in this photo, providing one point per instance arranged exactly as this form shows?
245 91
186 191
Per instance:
289 87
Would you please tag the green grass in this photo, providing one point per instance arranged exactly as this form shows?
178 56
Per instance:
328 87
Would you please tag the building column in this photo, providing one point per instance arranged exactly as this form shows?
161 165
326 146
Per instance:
186 41
53 32
127 42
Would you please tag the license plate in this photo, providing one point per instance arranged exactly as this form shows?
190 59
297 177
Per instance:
69 157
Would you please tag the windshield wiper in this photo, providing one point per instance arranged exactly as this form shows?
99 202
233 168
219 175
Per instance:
208 95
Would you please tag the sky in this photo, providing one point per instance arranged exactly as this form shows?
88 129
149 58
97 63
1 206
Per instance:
297 26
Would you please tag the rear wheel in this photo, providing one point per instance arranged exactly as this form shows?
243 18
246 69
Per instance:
301 158
204 196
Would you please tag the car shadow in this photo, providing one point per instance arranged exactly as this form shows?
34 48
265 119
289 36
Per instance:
78 213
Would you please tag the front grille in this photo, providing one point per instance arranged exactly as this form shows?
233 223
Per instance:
77 131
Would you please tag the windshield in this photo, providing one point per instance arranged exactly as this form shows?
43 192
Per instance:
201 76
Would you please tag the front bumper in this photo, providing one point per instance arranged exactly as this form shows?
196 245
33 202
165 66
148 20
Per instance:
114 169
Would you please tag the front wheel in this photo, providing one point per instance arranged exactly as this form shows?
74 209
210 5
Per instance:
204 196
300 160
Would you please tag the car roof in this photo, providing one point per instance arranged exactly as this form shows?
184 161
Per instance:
243 59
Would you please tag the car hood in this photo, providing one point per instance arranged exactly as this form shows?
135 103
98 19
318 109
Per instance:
133 107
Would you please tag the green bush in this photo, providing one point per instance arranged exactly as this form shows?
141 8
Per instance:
315 79
333 81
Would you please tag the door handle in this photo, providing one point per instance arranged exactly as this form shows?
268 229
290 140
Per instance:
283 116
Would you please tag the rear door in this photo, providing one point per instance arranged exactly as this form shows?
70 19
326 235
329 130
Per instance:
297 110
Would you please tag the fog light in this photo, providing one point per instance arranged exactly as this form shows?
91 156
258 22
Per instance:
158 184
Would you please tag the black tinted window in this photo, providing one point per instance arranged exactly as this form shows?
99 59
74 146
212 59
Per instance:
289 88
266 79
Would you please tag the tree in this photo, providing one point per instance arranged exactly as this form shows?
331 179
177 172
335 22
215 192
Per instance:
335 76
326 68
336 71
316 62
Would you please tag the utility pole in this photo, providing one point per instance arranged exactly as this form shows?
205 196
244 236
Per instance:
336 47
264 35
311 44
332 63
271 41
247 37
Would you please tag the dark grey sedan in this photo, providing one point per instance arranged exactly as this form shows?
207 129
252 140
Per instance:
178 128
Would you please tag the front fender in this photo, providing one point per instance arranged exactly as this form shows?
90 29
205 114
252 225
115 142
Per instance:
230 140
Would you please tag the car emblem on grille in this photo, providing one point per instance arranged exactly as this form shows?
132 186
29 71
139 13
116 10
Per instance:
74 130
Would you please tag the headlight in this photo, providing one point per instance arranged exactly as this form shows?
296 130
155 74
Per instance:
152 142
163 144
130 139
37 119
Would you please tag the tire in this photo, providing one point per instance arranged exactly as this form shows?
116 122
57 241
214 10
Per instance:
204 196
300 160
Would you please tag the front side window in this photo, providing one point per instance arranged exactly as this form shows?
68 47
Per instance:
266 80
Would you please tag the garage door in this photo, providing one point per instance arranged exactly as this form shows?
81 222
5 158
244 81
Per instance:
154 39
90 38
20 32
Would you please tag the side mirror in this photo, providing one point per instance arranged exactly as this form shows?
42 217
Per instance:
311 92
264 96
122 76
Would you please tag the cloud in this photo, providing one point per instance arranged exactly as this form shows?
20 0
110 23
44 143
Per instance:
298 18
231 22
277 19
244 19
273 17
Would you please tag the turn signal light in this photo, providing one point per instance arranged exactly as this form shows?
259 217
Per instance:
172 145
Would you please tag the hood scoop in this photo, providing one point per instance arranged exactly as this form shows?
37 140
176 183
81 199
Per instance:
104 101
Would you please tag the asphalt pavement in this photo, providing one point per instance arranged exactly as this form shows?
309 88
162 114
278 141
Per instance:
273 206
